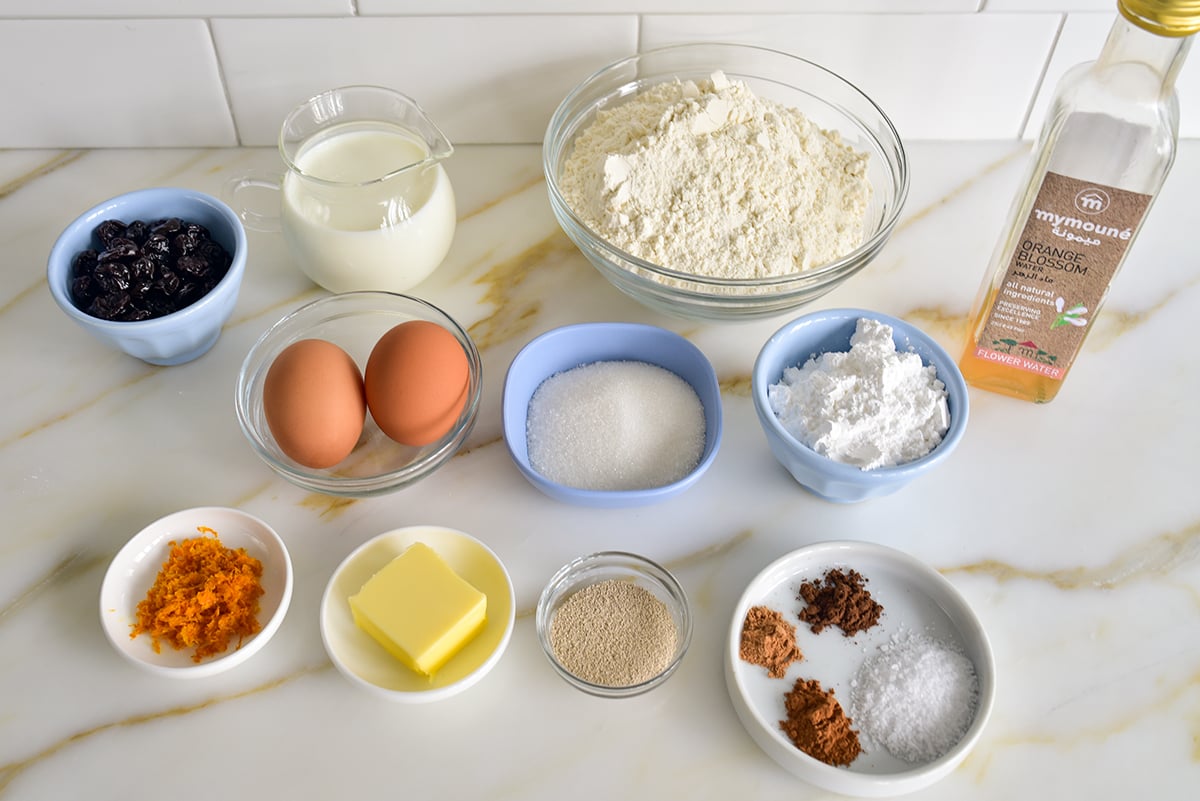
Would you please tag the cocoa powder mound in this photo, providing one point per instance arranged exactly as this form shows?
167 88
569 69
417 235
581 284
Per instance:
817 724
768 641
841 600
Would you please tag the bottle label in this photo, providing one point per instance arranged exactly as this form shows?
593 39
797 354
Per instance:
1058 273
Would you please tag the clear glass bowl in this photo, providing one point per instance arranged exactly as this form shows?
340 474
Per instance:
825 98
602 566
354 321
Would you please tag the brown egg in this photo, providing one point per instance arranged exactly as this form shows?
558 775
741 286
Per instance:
314 403
416 382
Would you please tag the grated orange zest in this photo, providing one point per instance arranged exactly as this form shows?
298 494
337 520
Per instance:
204 596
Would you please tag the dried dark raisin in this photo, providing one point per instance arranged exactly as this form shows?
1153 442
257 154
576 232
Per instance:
109 306
137 231
85 262
158 243
188 294
83 289
143 270
112 276
193 266
167 227
109 229
146 270
119 248
168 283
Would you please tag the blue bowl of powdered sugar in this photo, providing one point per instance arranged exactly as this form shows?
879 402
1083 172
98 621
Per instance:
611 414
857 404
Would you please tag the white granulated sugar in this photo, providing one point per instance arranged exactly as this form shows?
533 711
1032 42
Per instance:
709 179
916 697
615 425
870 406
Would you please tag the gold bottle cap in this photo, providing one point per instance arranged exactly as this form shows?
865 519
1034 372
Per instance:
1163 17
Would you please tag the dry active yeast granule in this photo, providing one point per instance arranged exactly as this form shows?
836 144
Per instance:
613 633
709 179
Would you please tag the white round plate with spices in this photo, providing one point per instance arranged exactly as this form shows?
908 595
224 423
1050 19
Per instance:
916 600
367 664
133 570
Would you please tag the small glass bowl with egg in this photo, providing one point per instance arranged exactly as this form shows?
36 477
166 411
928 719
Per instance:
359 394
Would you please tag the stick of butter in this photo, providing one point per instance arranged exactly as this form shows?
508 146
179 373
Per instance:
419 609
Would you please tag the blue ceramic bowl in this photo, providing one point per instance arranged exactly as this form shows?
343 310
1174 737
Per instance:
174 338
830 330
575 345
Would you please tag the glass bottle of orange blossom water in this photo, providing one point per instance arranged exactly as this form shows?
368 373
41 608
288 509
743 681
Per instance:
1107 145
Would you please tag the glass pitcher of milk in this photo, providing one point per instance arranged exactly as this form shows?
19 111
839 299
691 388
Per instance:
365 202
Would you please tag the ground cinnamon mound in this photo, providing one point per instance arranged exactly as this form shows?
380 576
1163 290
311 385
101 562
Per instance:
817 724
768 641
204 596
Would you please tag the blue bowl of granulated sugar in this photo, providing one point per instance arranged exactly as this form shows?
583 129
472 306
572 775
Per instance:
856 404
611 414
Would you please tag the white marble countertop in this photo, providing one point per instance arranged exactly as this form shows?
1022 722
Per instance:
1073 528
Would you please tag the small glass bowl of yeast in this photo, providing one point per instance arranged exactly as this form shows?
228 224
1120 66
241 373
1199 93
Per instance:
614 624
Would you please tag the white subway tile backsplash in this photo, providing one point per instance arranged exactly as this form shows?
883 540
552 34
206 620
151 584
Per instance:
394 7
221 72
1082 38
150 9
938 76
1052 5
482 79
109 83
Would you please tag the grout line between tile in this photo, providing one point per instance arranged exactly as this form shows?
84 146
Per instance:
1037 89
237 132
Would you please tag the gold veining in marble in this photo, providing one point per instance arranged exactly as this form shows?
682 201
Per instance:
184 168
739 386
702 596
290 303
147 370
1155 557
500 199
700 556
1112 324
327 506
912 218
710 552
938 323
57 161
23 295
73 564
478 446
980 762
10 771
513 313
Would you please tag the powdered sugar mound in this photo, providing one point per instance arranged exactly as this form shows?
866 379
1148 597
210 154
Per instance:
916 697
709 179
871 406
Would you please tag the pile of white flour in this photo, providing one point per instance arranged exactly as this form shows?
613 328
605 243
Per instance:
709 179
871 406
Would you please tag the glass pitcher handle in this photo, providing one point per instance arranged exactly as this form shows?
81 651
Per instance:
243 195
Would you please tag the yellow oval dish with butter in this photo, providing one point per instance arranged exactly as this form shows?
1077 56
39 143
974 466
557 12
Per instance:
419 609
